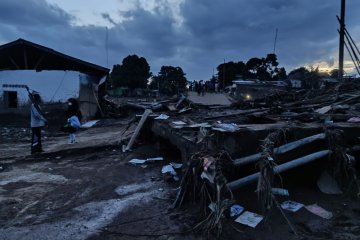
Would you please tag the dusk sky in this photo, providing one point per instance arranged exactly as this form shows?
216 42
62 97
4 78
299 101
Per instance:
196 35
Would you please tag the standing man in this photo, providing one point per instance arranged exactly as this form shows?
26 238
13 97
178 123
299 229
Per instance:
38 121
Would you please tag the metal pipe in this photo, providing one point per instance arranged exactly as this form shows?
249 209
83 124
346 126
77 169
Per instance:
279 169
280 150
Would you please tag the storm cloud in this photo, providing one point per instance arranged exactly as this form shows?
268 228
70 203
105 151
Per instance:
196 35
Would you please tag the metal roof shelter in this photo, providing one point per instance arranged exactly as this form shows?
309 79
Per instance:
25 55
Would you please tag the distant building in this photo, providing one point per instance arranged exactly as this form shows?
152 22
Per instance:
249 90
295 83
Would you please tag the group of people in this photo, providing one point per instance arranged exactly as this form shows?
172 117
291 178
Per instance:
202 87
73 118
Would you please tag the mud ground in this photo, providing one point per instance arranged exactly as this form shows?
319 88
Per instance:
92 192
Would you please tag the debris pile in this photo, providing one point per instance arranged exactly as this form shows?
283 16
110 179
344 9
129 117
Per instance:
224 148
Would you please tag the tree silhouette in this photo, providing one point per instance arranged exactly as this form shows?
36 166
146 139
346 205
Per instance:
134 72
169 81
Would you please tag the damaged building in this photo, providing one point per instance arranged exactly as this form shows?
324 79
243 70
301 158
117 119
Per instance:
31 57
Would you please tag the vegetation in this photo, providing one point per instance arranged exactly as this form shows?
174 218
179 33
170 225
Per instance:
265 69
134 72
309 78
169 81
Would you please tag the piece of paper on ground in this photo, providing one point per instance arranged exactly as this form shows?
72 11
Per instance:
236 210
319 211
250 219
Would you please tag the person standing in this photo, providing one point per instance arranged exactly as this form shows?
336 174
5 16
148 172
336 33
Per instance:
73 116
38 121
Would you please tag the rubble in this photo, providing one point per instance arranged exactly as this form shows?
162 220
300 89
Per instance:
227 153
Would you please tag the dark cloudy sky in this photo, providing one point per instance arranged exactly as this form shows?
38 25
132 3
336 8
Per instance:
196 35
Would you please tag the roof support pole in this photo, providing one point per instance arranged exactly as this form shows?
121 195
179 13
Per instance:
25 60
341 40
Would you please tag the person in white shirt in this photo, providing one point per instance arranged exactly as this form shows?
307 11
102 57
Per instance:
38 121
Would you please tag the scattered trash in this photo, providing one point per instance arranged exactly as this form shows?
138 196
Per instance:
236 210
212 206
209 176
185 109
176 165
142 161
207 162
162 117
137 161
179 123
250 219
319 211
161 189
155 159
168 169
327 184
200 125
323 110
226 127
354 120
58 157
280 191
89 124
291 206
328 120
170 172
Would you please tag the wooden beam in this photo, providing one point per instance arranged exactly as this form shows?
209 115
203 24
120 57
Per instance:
25 60
137 130
37 64
13 62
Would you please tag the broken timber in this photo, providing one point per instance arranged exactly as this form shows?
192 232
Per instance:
137 130
280 168
280 150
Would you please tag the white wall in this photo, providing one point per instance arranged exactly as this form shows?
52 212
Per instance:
52 85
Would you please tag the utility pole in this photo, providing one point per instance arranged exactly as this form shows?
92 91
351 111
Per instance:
276 33
224 77
341 40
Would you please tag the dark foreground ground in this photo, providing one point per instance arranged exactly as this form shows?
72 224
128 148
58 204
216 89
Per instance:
94 193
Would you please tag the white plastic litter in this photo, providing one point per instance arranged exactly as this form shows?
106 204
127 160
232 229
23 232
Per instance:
137 161
89 124
155 159
162 117
291 206
168 169
176 165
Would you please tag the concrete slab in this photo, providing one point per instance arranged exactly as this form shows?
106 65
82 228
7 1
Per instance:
209 99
